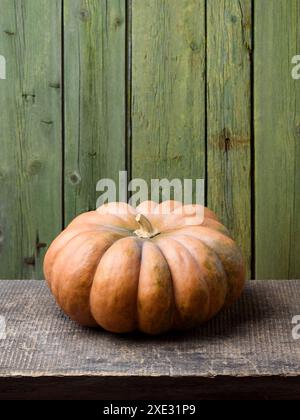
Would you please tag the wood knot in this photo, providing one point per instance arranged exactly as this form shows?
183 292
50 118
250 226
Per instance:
30 260
38 244
9 33
225 140
227 144
84 15
29 97
54 85
41 245
118 22
92 155
34 167
75 178
297 130
194 46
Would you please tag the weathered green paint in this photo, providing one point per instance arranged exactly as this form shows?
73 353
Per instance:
30 139
229 116
277 139
144 82
168 89
94 63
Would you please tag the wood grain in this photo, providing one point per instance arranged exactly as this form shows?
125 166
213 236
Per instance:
168 89
277 139
30 121
94 64
246 351
229 117
165 89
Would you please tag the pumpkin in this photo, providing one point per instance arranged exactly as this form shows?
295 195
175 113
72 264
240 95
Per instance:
154 268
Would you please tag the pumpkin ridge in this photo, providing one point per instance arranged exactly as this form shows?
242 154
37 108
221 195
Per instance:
172 231
196 262
124 220
99 222
98 227
106 249
92 272
206 287
160 251
172 285
82 245
210 249
120 216
97 265
206 246
141 243
94 292
148 203
231 286
57 253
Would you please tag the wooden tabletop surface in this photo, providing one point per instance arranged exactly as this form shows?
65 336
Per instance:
247 350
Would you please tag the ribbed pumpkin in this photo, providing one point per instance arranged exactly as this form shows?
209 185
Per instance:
154 268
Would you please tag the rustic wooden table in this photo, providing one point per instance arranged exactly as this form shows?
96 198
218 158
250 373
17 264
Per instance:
246 351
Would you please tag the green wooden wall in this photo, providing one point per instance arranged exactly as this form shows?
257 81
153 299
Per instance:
160 88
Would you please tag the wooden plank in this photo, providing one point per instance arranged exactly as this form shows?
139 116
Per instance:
246 350
168 89
30 120
94 63
229 117
277 139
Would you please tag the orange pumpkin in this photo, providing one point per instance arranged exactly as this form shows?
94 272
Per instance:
154 268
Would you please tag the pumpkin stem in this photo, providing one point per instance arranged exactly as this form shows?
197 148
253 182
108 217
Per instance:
146 230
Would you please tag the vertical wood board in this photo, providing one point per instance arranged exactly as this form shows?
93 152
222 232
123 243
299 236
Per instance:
94 63
30 136
229 117
277 139
168 89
